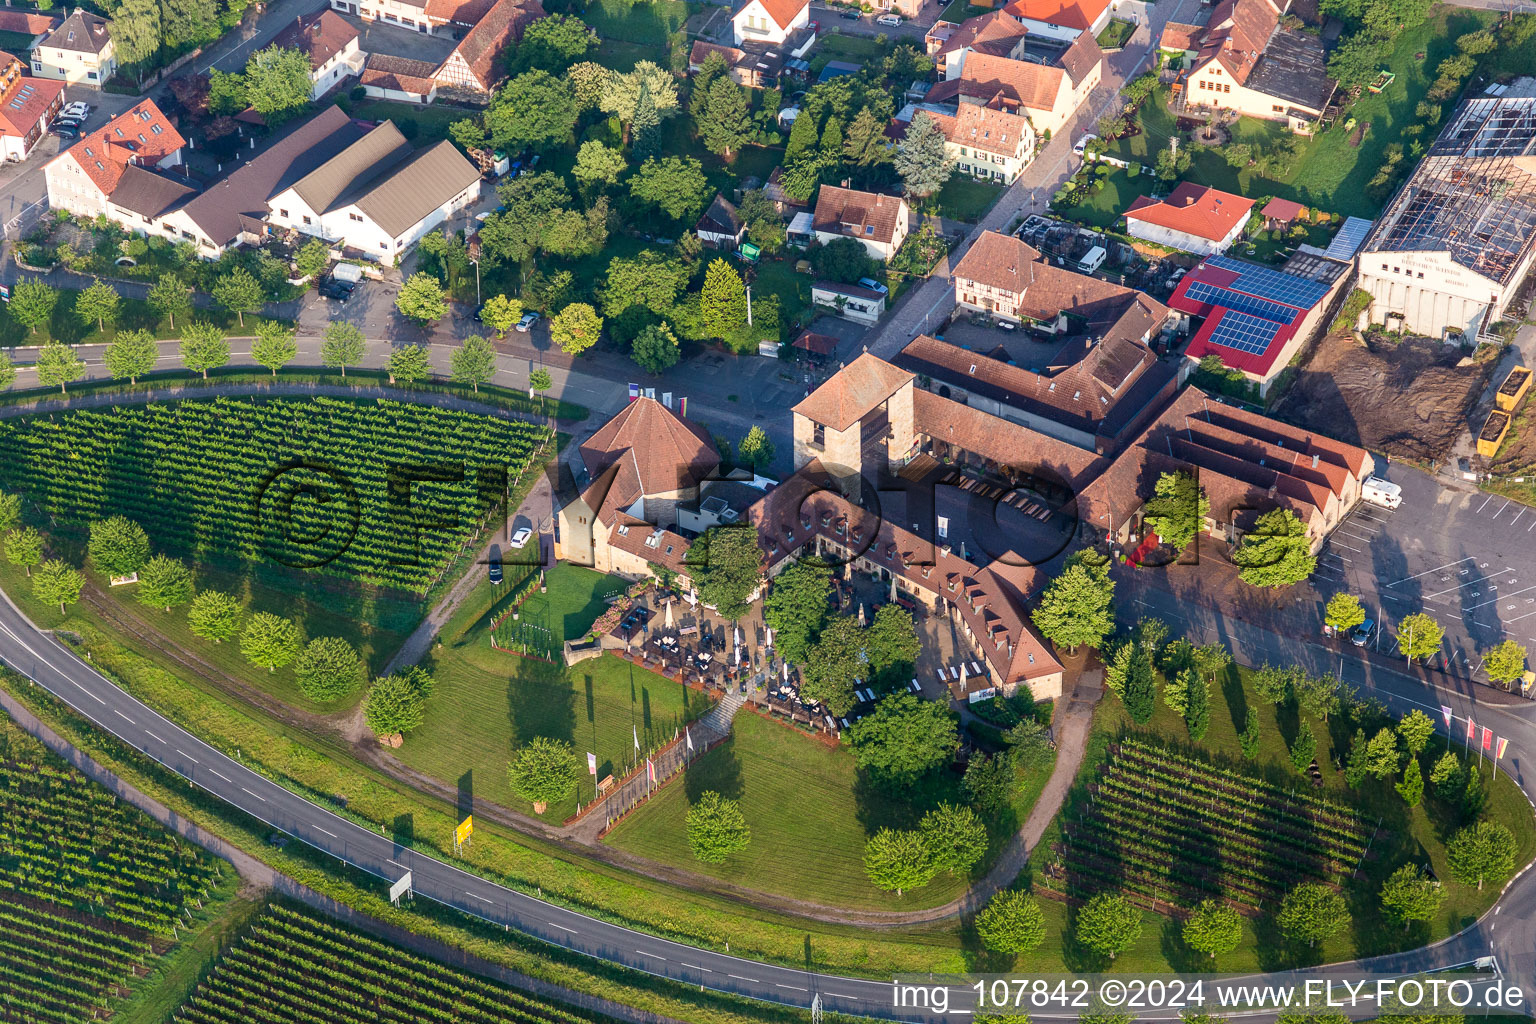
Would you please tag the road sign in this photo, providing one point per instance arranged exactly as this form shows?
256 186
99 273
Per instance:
400 888
464 831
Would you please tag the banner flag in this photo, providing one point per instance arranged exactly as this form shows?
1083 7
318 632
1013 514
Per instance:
1445 712
682 406
634 392
1471 730
690 738
637 736
1487 738
592 764
1503 746
650 769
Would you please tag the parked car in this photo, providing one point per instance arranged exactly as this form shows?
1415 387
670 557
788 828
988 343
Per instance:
78 110
331 288
889 20
495 572
873 285
850 15
521 536
67 131
526 323
1364 633
72 122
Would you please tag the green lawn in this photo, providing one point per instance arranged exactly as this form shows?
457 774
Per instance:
960 10
810 816
1328 172
488 702
647 24
1116 33
431 122
1103 206
1407 835
622 55
134 314
964 198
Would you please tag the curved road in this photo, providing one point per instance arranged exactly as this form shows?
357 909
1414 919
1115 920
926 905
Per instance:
48 663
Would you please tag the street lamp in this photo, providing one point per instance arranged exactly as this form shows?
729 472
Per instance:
477 280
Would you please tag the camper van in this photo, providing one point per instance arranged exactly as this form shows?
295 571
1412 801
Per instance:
1092 260
1381 492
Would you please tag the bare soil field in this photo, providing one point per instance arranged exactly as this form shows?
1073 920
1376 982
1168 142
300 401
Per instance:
1410 399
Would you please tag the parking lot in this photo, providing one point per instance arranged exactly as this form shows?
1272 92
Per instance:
1466 558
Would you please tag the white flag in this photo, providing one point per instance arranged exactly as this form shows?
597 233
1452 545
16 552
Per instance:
637 736
592 764
689 735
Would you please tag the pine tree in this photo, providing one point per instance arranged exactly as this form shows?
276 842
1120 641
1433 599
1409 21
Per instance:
1304 749
645 130
1411 788
920 159
802 138
1197 705
725 124
723 304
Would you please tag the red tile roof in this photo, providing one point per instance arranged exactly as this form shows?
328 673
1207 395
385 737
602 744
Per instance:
1003 83
978 127
853 391
400 74
663 451
1282 209
783 12
26 23
503 23
862 215
320 36
142 133
1193 209
1079 14
25 100
465 12
993 32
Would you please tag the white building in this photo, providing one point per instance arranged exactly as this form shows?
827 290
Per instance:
849 301
79 51
1192 217
986 143
769 21
880 221
1452 247
112 171
1061 20
332 45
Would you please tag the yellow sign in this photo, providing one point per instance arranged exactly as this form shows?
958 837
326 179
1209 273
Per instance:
464 831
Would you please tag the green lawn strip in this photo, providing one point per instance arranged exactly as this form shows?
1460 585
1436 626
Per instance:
429 123
364 893
966 199
1116 33
324 770
172 979
646 24
621 55
960 10
135 314
810 816
1408 835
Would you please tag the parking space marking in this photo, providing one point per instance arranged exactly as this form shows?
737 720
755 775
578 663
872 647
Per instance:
1364 514
1515 520
1483 505
1517 618
1426 572
1499 597
1355 536
1357 526
1346 547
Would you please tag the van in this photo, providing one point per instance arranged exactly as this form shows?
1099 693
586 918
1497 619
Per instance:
1382 493
888 20
1092 260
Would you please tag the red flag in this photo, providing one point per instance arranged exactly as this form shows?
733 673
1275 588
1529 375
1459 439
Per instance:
1471 730
650 769
1487 738
1503 746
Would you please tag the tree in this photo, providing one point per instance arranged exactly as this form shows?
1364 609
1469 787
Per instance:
589 81
204 347
422 299
1481 852
843 259
544 771
277 81
1248 739
473 362
1275 685
796 608
32 303
98 304
1311 912
540 380
170 298
724 122
904 739
1178 509
655 348
274 346
1418 636
716 828
765 225
214 615
164 582
532 202
58 364
1213 929
623 92
1303 748
921 162
342 345
1447 776
1409 896
501 314
1197 704
898 860
955 836
270 640
727 569
1076 608
327 669
891 644
312 259
1343 613
409 364
1108 924
649 279
396 703
553 43
1130 674
1415 728
865 143
835 665
57 582
131 354
1382 758
1411 788
118 546
239 292
24 547
1011 923
1357 59
723 302
1505 663
756 449
534 109
645 129
226 93
598 166
1276 552
988 782
7 371
575 328
136 31
674 185
10 511
189 22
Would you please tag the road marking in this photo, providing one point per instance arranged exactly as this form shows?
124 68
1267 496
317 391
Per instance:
560 926
656 956
1362 529
89 694
327 832
1515 520
1517 618
396 863
218 773
1483 505
1426 572
482 899
124 717
258 796
740 978
696 967
797 988
1355 536
1502 508
188 756
1497 598
152 736
1346 547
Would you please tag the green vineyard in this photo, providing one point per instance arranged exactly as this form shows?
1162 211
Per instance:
1171 830
90 889
380 492
291 966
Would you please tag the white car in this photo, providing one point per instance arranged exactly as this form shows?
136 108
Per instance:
526 323
520 538
77 110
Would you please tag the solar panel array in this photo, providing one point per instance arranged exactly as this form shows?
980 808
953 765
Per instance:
1244 333
1271 284
1215 295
